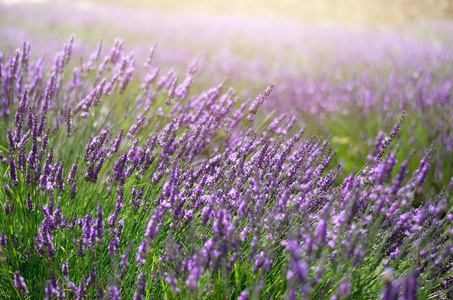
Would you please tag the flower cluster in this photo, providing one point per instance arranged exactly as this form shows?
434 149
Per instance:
197 202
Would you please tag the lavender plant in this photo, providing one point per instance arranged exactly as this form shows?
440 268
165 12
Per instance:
123 181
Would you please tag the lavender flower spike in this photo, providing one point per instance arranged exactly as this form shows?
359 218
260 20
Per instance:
19 283
259 100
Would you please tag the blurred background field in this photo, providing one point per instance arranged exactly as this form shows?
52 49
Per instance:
351 12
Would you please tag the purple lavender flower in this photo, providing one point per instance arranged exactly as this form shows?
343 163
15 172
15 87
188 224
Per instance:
141 287
81 290
100 224
124 258
94 57
114 292
298 271
321 231
260 99
61 293
141 253
19 283
68 122
244 295
410 292
152 228
73 191
195 273
65 270
29 203
91 279
12 170
50 290
68 49
115 144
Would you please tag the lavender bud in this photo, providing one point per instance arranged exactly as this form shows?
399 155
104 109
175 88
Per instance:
114 292
260 99
19 283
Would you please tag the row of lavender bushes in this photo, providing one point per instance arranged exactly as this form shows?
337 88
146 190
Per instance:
121 180
358 108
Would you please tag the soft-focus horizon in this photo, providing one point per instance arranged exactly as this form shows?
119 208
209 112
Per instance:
249 149
353 13
350 12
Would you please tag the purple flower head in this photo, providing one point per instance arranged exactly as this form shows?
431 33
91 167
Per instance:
61 294
68 49
195 273
294 249
141 287
184 88
298 271
29 203
153 228
94 57
344 289
25 56
141 254
115 144
411 288
321 231
245 295
50 290
13 170
114 292
20 116
8 193
91 279
81 290
124 258
65 270
68 122
73 191
19 283
100 224
260 99
398 125
72 287
73 172
150 56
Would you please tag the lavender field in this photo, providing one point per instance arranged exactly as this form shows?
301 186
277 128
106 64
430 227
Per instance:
149 154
